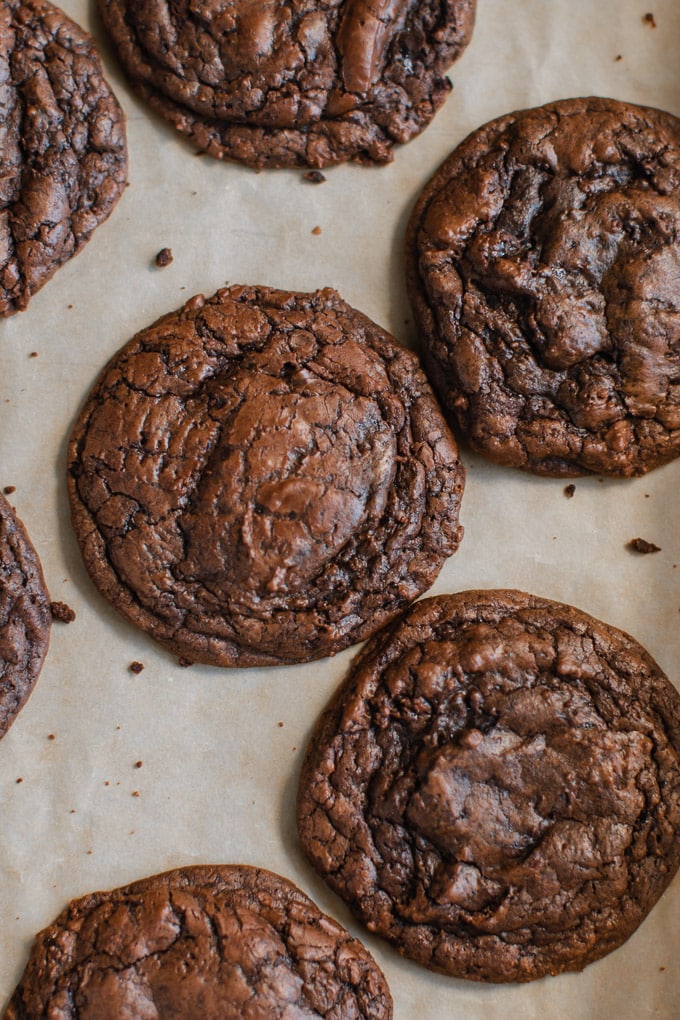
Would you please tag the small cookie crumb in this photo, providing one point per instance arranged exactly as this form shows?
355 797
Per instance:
135 793
316 231
569 491
33 354
280 725
314 177
648 19
20 779
641 545
138 764
184 663
617 58
136 667
9 489
51 736
62 612
164 258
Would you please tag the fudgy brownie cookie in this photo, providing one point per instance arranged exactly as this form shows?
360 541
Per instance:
24 616
62 146
219 943
263 477
300 83
496 787
542 262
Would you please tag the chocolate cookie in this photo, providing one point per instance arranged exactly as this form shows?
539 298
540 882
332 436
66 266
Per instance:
62 146
24 616
299 83
543 264
222 943
263 477
496 788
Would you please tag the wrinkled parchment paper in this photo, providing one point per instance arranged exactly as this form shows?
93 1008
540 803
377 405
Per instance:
176 766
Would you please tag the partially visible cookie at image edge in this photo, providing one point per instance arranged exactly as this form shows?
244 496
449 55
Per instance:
294 84
542 266
24 616
219 942
263 477
496 787
62 146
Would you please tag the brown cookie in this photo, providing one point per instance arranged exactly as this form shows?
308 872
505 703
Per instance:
542 263
62 146
496 787
219 943
263 477
24 616
300 83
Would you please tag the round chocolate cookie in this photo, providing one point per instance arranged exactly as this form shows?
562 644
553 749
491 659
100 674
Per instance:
543 261
219 943
263 477
62 146
496 787
24 616
300 83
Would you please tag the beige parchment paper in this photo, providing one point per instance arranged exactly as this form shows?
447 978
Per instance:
221 749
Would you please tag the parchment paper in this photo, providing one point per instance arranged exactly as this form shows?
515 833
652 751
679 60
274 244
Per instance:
220 750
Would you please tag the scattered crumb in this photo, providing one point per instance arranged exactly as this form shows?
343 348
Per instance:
9 489
33 354
136 667
646 495
20 779
51 736
662 968
69 306
295 749
88 852
135 793
62 612
184 662
648 19
280 724
617 58
164 258
138 764
641 545
569 490
314 177
106 782
316 231
73 811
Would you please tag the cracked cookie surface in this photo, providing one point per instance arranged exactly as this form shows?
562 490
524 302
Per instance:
63 156
263 477
543 260
24 616
301 83
222 943
496 787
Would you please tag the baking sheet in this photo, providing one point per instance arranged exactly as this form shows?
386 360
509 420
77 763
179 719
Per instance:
221 749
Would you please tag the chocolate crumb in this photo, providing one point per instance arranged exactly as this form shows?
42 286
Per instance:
617 58
569 491
314 177
138 764
20 779
62 612
641 545
51 736
136 667
9 489
135 793
648 19
33 354
184 662
280 724
164 258
316 231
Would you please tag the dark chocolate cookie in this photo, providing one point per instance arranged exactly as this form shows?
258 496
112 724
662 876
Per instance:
543 266
300 83
496 788
263 477
219 943
24 616
62 146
